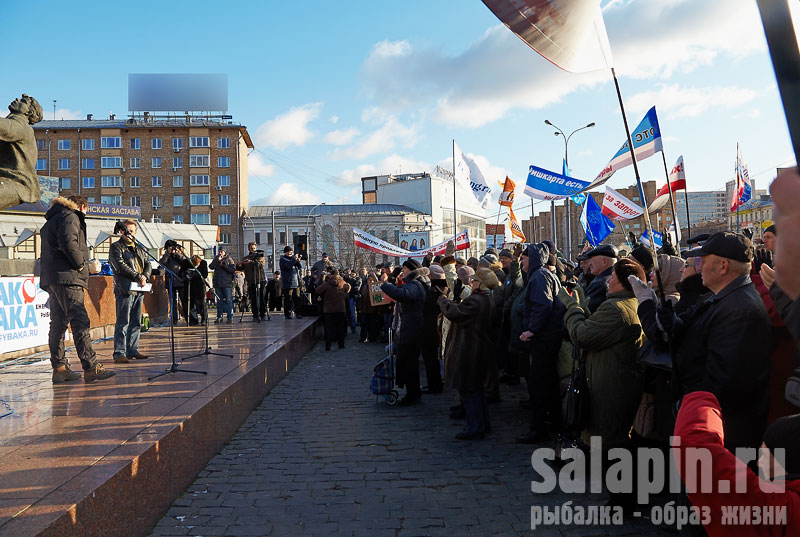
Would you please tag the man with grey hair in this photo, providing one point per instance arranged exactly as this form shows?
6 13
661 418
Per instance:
601 264
19 182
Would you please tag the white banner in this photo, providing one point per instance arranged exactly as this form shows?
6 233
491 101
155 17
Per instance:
24 314
618 207
370 242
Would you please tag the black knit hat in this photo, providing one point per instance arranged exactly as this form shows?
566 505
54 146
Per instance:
644 257
785 433
771 229
412 264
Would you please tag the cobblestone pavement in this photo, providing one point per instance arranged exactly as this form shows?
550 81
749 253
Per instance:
320 456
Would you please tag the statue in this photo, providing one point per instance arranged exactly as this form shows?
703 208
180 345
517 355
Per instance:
19 182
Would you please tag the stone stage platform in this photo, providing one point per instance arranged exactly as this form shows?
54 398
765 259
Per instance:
108 458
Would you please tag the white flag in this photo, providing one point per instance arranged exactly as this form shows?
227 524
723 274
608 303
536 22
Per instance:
469 175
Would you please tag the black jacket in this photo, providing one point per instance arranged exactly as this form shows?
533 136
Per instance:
410 299
223 272
65 254
290 272
123 259
723 345
177 264
543 311
597 290
690 289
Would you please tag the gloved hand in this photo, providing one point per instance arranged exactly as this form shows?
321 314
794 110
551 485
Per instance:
643 291
634 242
568 300
747 232
668 248
665 318
517 250
763 257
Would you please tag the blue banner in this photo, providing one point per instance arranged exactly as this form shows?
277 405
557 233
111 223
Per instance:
546 185
596 225
658 238
114 211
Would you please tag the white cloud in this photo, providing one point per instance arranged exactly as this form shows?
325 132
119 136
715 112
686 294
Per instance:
341 136
66 113
499 73
257 167
389 165
334 119
690 102
381 140
290 128
290 194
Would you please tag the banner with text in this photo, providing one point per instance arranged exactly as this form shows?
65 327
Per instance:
618 207
24 314
372 243
550 186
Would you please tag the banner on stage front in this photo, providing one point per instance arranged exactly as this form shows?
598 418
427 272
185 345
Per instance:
551 186
24 314
370 242
618 207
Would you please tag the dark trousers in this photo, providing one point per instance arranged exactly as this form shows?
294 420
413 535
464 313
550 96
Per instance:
335 328
543 384
179 306
255 294
370 327
408 369
430 357
66 308
291 301
128 325
477 411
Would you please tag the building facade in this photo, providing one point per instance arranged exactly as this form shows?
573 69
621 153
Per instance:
704 206
184 170
755 215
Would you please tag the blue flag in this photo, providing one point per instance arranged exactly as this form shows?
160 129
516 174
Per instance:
577 199
546 185
658 239
596 225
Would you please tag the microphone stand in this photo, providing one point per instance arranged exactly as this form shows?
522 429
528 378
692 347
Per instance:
207 352
174 368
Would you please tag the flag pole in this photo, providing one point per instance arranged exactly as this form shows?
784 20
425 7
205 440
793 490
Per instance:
672 203
686 197
455 212
639 184
736 194
497 223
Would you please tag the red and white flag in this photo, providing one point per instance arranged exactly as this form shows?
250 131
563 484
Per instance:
516 230
507 195
618 207
677 180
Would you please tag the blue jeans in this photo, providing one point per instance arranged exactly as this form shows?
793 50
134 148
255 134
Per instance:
351 304
128 327
225 302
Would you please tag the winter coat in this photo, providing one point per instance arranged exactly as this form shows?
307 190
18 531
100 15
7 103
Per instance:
177 264
700 427
431 311
410 298
784 354
788 309
334 290
223 272
128 262
65 254
723 345
597 290
544 312
469 343
253 267
450 275
290 272
610 338
365 307
197 289
670 267
317 269
690 289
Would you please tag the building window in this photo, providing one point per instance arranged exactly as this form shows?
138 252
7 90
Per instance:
87 163
224 220
223 180
111 181
224 200
177 219
66 184
157 202
177 201
198 180
41 164
90 199
199 199
155 143
223 143
136 181
136 201
223 162
41 145
201 219
155 162
64 145
136 163
136 143
157 181
110 142
370 197
63 164
637 226
177 144
198 141
87 144
111 162
88 182
177 181
177 162
198 161
225 238
111 200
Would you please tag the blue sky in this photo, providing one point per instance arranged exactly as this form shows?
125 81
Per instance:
332 91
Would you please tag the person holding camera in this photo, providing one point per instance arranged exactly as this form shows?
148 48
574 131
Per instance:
224 269
130 265
290 282
197 290
177 263
253 267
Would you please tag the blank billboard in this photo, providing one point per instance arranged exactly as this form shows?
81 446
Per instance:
177 93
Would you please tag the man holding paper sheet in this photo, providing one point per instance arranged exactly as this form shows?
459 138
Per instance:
131 278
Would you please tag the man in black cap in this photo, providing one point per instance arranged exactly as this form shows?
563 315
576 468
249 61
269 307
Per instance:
723 343
177 263
290 282
601 265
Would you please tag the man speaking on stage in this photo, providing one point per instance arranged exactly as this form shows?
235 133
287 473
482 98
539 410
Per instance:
131 272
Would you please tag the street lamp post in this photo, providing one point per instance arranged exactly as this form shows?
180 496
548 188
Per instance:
308 237
566 201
